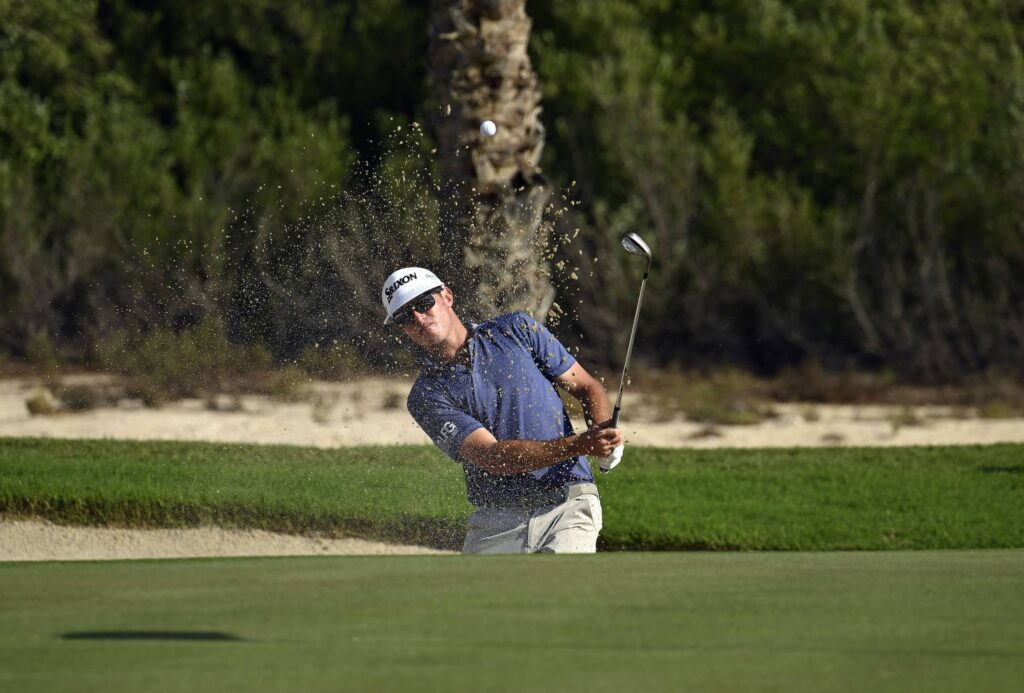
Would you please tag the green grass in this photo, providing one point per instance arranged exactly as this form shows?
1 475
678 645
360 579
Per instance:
407 493
808 499
911 621
812 499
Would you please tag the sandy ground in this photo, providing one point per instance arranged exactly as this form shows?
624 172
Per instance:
31 540
372 412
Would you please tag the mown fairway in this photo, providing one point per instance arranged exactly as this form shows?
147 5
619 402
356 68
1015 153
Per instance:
925 621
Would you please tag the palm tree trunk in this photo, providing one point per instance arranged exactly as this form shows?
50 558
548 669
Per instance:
494 195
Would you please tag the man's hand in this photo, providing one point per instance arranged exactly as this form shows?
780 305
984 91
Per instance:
599 441
606 464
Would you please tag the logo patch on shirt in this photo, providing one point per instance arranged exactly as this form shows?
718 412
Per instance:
448 431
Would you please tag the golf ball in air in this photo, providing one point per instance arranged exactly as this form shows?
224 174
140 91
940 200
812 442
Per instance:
488 128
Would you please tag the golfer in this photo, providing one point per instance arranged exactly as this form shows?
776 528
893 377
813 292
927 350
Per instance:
487 396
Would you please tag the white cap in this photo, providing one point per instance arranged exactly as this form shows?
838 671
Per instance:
403 286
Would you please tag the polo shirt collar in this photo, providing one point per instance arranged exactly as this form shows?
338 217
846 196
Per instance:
430 364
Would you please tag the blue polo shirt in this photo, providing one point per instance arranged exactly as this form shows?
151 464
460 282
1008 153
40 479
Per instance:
507 388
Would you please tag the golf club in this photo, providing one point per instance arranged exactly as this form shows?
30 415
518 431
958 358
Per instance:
635 246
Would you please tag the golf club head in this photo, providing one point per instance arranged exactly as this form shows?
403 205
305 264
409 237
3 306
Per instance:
636 246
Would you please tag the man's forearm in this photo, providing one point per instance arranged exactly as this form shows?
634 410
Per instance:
506 457
596 407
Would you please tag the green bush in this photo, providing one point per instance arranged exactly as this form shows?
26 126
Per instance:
147 161
41 403
41 352
333 362
727 397
830 181
78 398
163 364
834 182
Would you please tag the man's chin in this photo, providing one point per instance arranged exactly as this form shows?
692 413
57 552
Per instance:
428 337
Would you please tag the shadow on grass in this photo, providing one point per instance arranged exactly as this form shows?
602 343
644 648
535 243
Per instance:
432 532
184 635
613 543
1009 469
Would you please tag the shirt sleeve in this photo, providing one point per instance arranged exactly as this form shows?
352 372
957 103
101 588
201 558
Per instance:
441 420
552 358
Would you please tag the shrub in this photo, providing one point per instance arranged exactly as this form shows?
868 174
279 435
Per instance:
40 351
726 397
332 363
77 398
42 403
163 364
816 180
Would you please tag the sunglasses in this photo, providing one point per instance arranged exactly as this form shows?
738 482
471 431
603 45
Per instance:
420 304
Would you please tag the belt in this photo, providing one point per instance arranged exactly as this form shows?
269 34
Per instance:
545 497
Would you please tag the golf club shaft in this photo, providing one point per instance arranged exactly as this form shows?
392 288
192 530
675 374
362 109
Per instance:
629 354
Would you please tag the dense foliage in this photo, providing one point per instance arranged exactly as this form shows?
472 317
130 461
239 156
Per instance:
159 158
839 182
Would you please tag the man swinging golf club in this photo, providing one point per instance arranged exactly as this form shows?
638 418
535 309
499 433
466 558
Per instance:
486 396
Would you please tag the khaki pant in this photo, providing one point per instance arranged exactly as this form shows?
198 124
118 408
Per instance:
570 527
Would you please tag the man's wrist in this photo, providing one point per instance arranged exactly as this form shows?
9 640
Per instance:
571 448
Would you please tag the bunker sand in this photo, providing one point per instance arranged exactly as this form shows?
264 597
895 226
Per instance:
372 412
32 540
